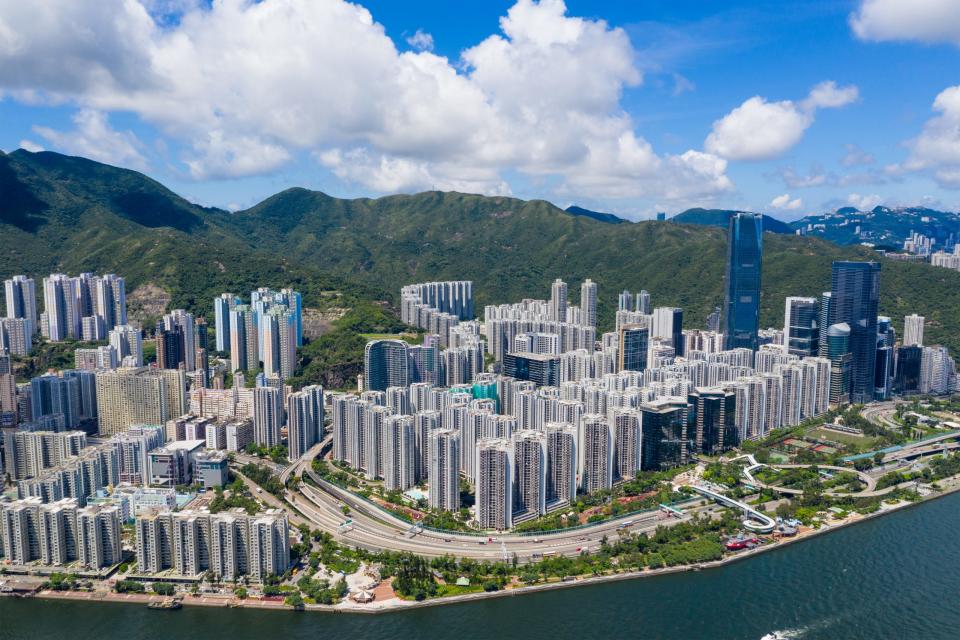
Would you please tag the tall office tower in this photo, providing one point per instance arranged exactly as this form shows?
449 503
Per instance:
741 312
530 473
855 295
128 343
52 395
304 419
267 415
913 330
139 396
884 367
110 300
588 303
596 457
279 333
21 300
244 339
909 368
801 326
634 347
714 416
826 306
664 439
668 325
178 318
561 463
643 302
558 301
495 484
170 349
399 453
386 363
444 469
841 360
626 444
625 301
60 319
15 336
222 306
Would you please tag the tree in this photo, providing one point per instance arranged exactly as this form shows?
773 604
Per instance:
163 588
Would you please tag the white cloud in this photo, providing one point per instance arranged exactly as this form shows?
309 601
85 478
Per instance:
864 202
246 86
785 203
856 156
794 180
94 138
31 146
421 40
760 130
923 20
937 149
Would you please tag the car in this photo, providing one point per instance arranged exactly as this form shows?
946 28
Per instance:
489 539
578 549
448 539
482 542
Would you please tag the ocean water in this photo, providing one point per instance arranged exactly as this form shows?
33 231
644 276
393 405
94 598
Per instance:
892 577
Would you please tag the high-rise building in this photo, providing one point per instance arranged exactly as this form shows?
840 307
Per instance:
54 395
21 301
664 439
801 326
668 325
244 339
494 483
596 459
909 369
61 318
279 333
855 295
626 444
304 419
386 363
170 346
643 302
634 347
110 300
15 336
913 330
399 453
558 301
714 418
625 301
741 312
826 307
140 395
561 463
444 469
841 360
530 473
267 415
182 320
128 343
541 369
222 306
588 303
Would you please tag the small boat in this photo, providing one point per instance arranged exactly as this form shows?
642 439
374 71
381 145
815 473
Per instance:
168 604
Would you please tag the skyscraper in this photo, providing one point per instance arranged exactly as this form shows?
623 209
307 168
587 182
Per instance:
304 419
244 349
634 347
913 330
444 469
21 300
386 363
838 352
597 453
267 415
741 312
668 325
801 326
561 463
588 303
495 484
855 296
530 472
127 342
60 319
558 300
222 306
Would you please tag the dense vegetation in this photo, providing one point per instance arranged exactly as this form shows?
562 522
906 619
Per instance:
71 214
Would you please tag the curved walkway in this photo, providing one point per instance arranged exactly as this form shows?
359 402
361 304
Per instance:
870 481
755 521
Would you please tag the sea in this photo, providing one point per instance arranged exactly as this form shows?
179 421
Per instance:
897 576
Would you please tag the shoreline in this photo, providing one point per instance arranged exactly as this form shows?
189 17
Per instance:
397 605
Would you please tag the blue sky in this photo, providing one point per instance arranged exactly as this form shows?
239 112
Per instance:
632 107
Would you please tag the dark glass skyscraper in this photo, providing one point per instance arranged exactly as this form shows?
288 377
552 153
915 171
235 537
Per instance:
855 296
741 311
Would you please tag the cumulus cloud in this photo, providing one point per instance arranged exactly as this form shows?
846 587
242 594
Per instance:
785 203
245 86
923 20
421 40
760 130
93 137
937 149
864 202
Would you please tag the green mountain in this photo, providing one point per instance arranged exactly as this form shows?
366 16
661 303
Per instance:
721 217
881 226
596 215
73 214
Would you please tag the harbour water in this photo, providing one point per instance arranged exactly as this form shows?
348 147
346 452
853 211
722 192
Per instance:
897 576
